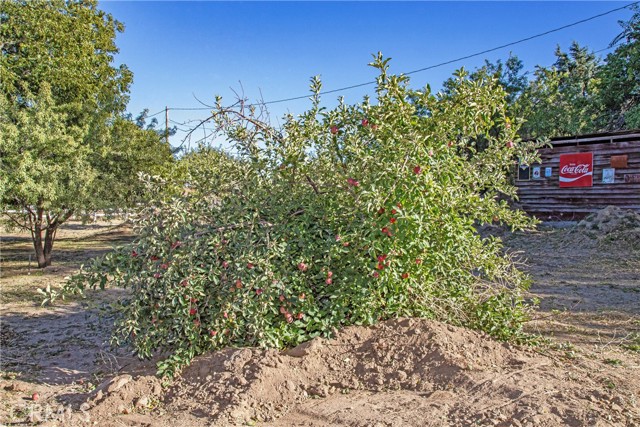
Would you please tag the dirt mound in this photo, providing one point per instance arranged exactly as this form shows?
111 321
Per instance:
401 372
613 223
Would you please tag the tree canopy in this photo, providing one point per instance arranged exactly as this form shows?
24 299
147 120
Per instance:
580 92
65 144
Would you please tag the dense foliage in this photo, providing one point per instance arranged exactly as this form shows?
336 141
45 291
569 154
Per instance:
580 93
65 146
343 216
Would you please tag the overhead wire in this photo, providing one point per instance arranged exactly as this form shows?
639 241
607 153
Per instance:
430 67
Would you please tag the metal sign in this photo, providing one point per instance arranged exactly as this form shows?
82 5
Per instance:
576 170
632 178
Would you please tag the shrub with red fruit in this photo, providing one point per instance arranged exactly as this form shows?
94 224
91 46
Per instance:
260 242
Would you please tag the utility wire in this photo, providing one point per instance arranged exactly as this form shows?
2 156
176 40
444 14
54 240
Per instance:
530 71
430 67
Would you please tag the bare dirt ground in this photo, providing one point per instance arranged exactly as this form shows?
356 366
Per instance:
401 372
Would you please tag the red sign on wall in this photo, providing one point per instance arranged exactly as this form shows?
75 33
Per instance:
576 170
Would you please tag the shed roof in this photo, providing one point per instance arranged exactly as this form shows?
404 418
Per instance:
595 138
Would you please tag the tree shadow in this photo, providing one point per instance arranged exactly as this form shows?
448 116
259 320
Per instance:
63 344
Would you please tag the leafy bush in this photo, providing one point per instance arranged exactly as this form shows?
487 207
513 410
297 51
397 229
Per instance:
344 216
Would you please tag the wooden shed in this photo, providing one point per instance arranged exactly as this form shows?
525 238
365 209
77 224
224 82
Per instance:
580 174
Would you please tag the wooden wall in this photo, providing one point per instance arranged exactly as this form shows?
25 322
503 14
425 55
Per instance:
544 197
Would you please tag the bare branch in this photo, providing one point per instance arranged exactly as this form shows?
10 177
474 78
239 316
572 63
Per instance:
312 184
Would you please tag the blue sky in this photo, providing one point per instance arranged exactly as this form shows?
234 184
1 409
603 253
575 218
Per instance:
271 49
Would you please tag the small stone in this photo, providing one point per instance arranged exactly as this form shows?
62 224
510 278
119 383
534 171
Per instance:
303 349
142 402
157 389
118 382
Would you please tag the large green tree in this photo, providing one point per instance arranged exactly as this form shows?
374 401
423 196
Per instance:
65 146
620 79
562 99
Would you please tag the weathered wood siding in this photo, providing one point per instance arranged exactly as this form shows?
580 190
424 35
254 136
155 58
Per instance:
544 197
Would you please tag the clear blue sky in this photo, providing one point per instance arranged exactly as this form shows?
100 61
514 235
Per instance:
181 49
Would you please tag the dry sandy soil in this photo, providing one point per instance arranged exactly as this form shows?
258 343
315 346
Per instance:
401 372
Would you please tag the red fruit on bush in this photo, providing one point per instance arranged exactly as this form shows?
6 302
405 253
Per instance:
329 273
450 144
376 274
380 266
300 316
193 300
134 254
334 130
328 281
184 283
510 144
302 296
249 265
417 170
225 315
374 127
213 333
418 261
338 238
282 309
353 182
392 220
281 298
196 322
393 211
302 266
399 205
385 230
225 264
157 275
154 258
259 291
380 211
193 311
365 122
289 318
164 266
345 244
405 275
382 257
239 284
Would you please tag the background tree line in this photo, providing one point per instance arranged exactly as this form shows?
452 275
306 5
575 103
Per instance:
580 92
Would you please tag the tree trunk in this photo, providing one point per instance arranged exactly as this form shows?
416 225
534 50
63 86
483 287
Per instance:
44 235
39 247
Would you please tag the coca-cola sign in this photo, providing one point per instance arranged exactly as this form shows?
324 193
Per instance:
576 170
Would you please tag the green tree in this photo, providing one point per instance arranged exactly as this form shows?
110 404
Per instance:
562 99
341 216
620 79
64 146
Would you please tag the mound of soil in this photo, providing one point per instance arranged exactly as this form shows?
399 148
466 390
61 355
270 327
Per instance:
400 372
613 223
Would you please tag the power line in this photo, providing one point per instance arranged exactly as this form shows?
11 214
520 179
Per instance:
430 67
186 123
